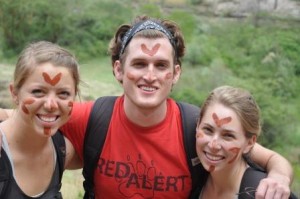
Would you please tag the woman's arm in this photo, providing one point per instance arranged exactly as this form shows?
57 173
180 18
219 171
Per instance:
280 173
72 159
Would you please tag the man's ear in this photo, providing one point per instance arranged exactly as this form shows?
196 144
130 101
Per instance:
14 94
177 73
118 71
250 144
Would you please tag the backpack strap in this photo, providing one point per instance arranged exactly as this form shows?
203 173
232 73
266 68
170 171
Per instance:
5 174
94 140
249 183
189 116
60 148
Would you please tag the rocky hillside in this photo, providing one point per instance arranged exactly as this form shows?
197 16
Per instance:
244 8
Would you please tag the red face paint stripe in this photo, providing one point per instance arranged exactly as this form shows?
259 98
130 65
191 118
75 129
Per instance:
70 104
236 151
211 168
53 81
26 102
220 122
199 135
47 130
151 52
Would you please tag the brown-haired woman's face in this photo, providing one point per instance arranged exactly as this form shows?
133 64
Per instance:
220 139
45 99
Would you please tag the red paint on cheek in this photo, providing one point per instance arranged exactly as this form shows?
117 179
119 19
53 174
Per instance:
211 168
52 81
70 104
152 51
27 102
220 122
130 76
47 131
169 76
235 150
199 135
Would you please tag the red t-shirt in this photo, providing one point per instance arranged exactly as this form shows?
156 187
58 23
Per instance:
136 162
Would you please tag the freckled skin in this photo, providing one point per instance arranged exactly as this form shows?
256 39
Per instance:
47 131
52 81
27 102
220 122
151 52
235 150
214 144
130 76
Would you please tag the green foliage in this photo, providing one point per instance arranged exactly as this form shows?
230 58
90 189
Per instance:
25 21
186 21
152 10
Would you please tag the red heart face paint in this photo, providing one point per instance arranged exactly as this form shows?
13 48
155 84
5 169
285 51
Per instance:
53 81
27 102
220 122
152 51
236 151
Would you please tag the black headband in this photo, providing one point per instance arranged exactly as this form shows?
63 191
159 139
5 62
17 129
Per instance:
145 25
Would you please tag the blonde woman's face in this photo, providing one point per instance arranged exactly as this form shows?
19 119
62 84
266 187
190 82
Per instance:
45 99
220 139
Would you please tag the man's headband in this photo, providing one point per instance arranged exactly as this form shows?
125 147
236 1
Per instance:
145 25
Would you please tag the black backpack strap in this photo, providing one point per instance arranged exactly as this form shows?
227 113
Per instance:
189 115
5 174
249 183
60 148
94 140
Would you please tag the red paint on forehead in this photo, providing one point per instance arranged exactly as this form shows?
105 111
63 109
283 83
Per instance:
47 131
220 122
52 81
27 102
235 150
152 51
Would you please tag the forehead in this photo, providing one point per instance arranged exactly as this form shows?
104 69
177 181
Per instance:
48 69
221 112
165 50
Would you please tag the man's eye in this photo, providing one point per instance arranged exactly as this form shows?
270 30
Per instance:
162 66
229 136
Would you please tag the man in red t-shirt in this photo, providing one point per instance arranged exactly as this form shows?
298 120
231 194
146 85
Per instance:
143 155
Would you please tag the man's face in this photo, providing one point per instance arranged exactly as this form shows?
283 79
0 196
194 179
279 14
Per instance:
148 72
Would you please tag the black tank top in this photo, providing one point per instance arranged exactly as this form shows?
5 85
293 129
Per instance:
9 189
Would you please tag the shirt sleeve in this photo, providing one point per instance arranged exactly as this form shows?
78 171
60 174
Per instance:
75 128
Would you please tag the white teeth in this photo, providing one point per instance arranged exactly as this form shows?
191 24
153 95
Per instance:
47 119
146 88
213 158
